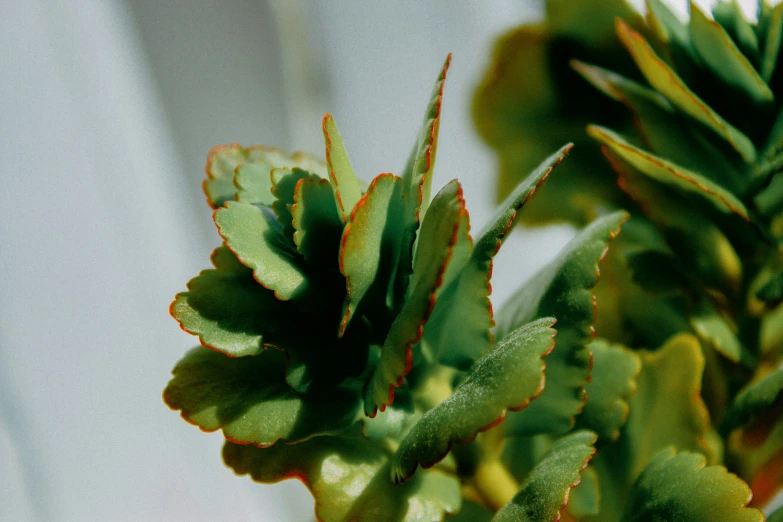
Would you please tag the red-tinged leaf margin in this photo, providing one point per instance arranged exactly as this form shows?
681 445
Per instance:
346 232
605 136
373 410
330 167
399 479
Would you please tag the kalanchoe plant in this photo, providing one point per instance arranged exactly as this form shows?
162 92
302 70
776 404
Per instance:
698 269
348 340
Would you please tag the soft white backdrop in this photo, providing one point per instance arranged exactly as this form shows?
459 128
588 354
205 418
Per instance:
108 110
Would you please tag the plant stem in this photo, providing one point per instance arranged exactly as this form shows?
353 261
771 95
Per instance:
495 484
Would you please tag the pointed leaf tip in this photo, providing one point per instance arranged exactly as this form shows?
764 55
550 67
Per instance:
345 184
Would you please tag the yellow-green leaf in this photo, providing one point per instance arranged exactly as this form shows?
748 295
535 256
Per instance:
681 487
668 83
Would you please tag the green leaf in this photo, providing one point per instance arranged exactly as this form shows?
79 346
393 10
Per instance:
370 240
345 185
681 487
673 175
713 329
318 227
462 323
662 127
417 180
250 401
228 310
472 512
228 178
284 182
667 82
657 272
349 478
437 240
729 15
255 238
777 516
586 497
753 400
772 42
508 377
562 290
719 52
545 492
772 290
613 382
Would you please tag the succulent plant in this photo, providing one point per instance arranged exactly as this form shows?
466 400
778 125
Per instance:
347 339
699 264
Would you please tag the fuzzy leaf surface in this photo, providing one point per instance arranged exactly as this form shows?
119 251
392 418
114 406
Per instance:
613 382
545 492
370 240
248 399
437 239
507 377
563 290
679 486
349 478
255 237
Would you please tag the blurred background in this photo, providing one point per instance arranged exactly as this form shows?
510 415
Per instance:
108 110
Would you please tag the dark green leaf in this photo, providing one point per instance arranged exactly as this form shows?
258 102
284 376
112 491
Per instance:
284 182
345 185
681 487
772 41
772 290
586 497
508 377
228 310
562 290
753 400
250 401
729 15
370 240
437 240
349 478
254 235
318 227
472 512
545 492
613 382
462 323
713 329
417 180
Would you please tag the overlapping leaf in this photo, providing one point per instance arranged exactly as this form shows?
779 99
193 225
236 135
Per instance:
563 290
613 382
508 377
345 185
678 486
460 330
317 224
417 180
249 400
349 478
437 240
253 234
370 243
545 492
753 400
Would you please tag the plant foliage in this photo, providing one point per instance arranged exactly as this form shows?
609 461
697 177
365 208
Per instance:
689 114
